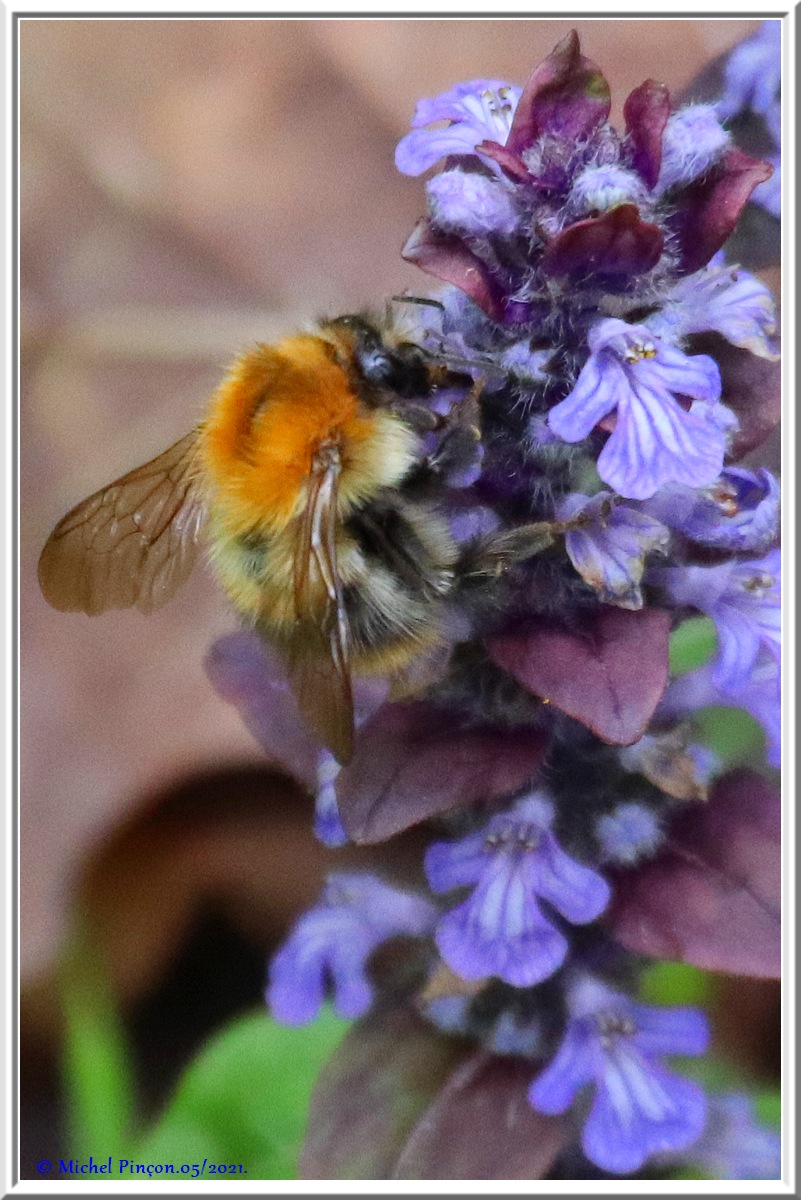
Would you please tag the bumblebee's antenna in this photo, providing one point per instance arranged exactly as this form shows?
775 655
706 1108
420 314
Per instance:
419 300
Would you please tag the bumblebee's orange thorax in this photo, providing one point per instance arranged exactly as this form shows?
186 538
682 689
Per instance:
277 405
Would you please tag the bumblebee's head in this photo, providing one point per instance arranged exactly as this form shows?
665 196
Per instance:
378 360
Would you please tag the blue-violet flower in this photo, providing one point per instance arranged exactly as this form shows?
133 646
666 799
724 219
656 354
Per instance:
609 548
481 110
725 300
739 512
639 1108
743 599
759 695
331 944
654 441
734 1145
510 865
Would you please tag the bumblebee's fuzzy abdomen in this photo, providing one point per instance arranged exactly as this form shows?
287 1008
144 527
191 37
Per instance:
395 561
408 559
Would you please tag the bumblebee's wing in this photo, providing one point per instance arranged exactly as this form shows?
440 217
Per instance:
319 649
133 543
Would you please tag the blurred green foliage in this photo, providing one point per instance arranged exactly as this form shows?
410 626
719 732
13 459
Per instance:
734 736
691 644
244 1099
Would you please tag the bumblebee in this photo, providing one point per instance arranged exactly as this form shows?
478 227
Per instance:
301 480
313 486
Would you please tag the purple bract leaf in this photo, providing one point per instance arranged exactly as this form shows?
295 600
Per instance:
709 209
610 677
481 1126
246 673
566 96
449 259
616 243
712 897
371 1093
646 111
752 388
413 762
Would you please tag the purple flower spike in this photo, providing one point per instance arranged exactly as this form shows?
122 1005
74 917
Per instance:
743 599
692 142
639 1108
735 1145
609 551
724 300
331 944
654 441
500 930
479 110
739 512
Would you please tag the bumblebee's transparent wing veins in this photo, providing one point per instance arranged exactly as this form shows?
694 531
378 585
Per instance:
131 544
319 649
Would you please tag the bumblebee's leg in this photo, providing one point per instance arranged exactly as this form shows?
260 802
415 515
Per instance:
491 556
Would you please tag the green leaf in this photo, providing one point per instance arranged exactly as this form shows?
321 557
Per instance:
96 1066
691 644
671 983
731 733
769 1107
245 1098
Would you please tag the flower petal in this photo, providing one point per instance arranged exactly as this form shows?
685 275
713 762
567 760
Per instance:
572 1067
655 442
450 865
578 892
739 640
500 931
639 1110
422 148
694 375
600 388
669 1030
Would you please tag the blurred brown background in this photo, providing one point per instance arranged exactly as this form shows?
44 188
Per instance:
189 187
